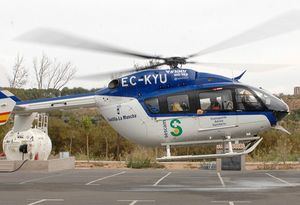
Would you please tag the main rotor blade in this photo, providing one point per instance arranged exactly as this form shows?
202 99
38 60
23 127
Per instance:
115 74
252 67
284 23
104 75
60 38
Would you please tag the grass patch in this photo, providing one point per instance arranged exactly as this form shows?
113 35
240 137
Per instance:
138 163
142 158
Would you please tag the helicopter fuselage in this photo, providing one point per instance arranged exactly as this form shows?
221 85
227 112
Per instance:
178 105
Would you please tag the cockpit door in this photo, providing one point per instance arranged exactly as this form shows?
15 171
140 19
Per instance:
216 112
250 112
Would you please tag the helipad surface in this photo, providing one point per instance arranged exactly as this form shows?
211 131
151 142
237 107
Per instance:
127 186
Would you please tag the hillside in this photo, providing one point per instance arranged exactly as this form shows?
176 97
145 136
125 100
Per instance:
292 101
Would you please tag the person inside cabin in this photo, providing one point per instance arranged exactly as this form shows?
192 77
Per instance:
184 106
176 107
248 100
214 104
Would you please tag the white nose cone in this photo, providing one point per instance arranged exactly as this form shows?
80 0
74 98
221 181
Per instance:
38 145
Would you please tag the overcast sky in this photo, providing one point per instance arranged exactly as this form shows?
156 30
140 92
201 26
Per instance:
174 27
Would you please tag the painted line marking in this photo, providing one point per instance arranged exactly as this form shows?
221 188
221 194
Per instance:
221 179
158 181
281 180
132 202
89 183
41 178
231 202
44 200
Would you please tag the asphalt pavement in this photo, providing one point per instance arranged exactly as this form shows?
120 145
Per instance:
149 186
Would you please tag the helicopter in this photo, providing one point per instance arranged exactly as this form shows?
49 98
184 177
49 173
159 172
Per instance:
171 105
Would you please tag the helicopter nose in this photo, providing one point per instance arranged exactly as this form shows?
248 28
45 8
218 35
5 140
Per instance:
273 103
280 115
281 110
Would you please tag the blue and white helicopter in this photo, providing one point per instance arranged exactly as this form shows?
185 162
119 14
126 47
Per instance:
171 106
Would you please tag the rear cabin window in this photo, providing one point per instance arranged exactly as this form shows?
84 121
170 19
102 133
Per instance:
220 100
153 105
178 103
246 100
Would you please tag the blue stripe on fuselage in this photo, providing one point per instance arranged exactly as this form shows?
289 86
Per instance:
15 98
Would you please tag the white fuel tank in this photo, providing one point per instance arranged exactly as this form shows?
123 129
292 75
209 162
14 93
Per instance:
38 145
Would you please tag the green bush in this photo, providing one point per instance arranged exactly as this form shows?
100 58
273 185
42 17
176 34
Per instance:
142 158
139 163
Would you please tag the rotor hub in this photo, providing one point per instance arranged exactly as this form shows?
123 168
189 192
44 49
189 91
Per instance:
173 62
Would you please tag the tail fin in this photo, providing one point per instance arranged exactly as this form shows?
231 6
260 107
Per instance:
7 104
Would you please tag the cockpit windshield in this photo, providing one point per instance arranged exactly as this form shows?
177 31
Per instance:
271 101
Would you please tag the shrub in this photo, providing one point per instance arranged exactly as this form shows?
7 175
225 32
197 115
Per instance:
136 163
142 158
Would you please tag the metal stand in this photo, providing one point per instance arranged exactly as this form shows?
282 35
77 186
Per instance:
168 150
42 122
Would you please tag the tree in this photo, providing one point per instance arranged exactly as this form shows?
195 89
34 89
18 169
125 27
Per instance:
20 73
73 123
51 74
60 74
87 124
41 68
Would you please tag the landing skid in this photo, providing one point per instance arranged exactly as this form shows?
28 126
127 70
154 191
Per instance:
249 148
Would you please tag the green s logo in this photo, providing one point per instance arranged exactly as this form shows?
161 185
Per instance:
177 130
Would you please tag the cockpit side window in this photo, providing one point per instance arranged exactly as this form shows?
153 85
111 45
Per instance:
212 100
246 100
178 103
153 105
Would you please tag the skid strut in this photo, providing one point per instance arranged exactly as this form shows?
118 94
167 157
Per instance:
229 144
168 147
